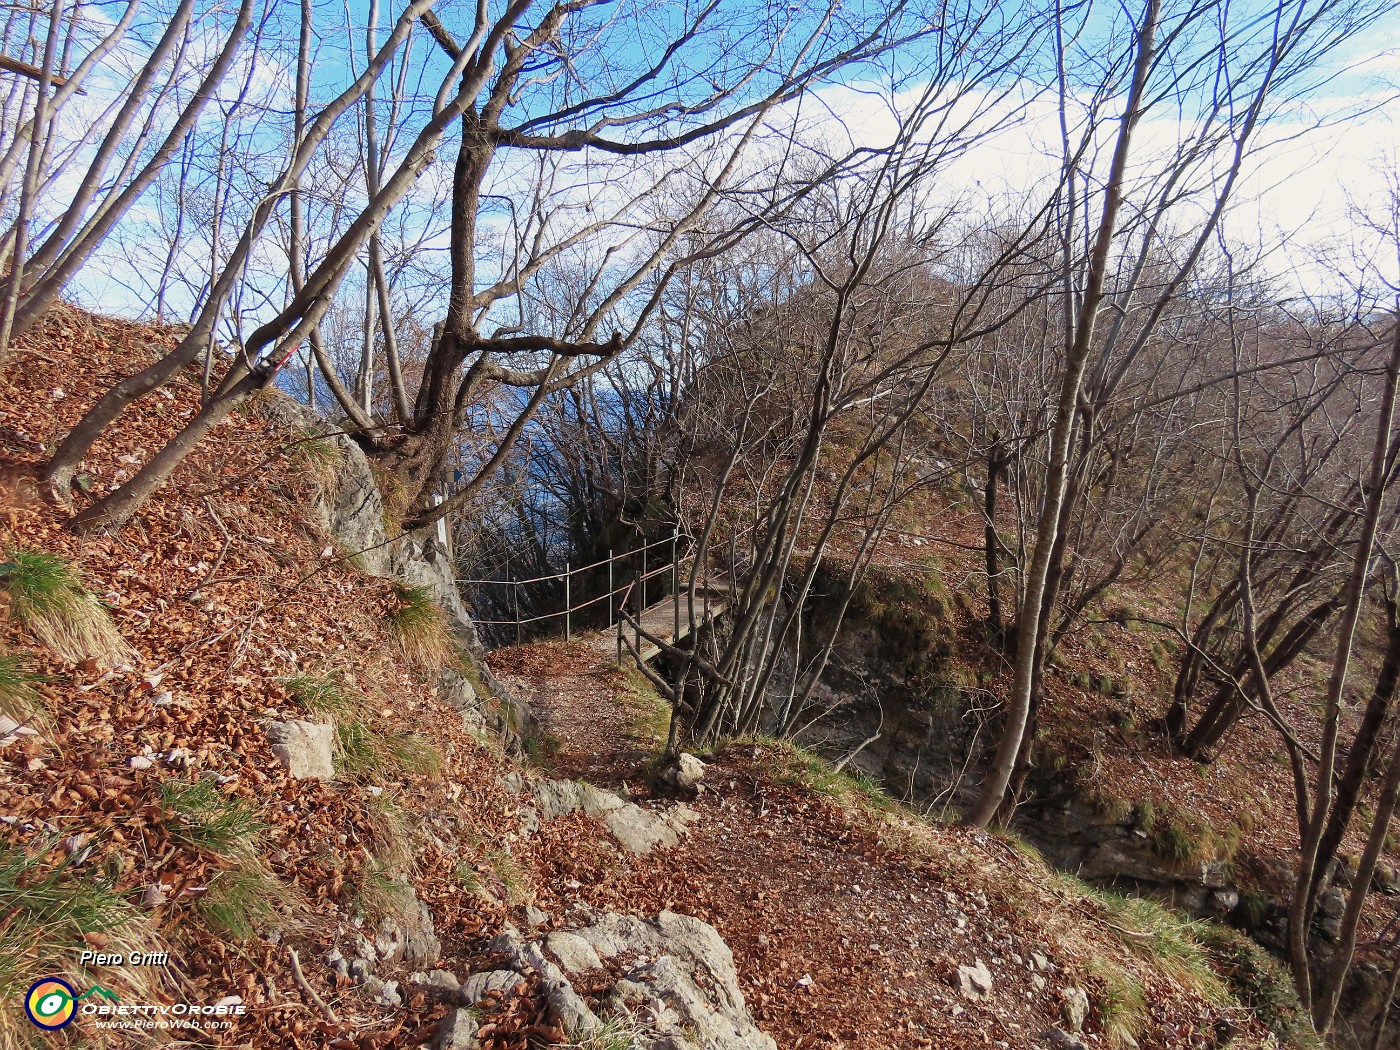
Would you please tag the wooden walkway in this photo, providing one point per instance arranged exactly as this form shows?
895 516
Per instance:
661 621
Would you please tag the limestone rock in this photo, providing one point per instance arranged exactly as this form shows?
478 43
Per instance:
679 981
408 936
457 1031
1386 878
1221 903
1074 1008
444 981
479 986
975 981
305 749
1062 1040
685 772
384 993
636 829
574 953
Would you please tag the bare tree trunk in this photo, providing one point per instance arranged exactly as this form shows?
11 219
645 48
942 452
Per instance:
1062 440
1382 463
37 145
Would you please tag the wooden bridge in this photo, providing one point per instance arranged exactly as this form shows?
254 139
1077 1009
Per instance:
666 621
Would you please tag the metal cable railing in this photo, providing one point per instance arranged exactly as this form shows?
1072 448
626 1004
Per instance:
638 581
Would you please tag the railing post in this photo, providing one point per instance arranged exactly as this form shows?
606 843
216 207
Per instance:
515 600
644 579
568 601
610 593
675 585
619 639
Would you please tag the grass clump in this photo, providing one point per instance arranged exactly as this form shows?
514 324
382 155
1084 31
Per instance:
798 765
1121 1004
1184 840
1172 944
392 834
48 598
46 912
384 897
319 457
1261 983
322 694
622 1032
364 755
19 699
512 878
244 899
202 817
419 626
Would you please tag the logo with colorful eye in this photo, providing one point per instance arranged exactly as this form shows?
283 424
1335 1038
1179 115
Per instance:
51 1003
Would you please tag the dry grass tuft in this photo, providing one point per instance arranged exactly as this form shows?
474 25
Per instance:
49 599
419 625
48 912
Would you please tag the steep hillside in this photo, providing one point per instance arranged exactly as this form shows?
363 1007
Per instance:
288 784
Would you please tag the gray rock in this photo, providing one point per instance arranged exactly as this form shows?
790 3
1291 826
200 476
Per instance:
457 1031
439 981
574 953
1386 878
408 936
1332 903
636 829
337 962
535 917
351 509
1221 903
361 970
685 772
305 749
681 987
1062 1040
975 981
384 993
480 986
1074 1007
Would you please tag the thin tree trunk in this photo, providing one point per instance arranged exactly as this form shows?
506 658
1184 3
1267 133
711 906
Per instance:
1375 493
38 143
1061 442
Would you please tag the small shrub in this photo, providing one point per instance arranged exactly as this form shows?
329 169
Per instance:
419 626
49 599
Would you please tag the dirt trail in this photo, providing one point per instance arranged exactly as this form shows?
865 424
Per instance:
843 938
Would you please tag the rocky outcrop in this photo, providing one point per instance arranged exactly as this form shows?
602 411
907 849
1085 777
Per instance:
677 989
1074 837
636 829
349 506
